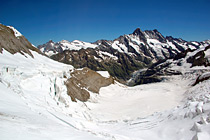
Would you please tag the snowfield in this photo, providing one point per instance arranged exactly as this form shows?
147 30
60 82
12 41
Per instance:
34 106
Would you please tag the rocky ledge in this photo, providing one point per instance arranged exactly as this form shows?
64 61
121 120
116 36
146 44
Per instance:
83 81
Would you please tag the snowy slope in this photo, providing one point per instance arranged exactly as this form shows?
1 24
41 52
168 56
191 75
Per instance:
31 91
34 105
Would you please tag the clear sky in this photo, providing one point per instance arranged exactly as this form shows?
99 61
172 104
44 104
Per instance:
91 20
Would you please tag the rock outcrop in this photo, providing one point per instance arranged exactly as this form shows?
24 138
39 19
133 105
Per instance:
12 41
83 81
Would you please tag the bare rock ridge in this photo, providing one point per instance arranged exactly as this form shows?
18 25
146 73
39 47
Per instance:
12 41
85 80
121 56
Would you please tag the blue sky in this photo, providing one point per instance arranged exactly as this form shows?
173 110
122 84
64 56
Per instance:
91 20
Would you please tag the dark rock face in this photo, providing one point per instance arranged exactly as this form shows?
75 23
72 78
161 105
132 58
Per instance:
83 81
156 35
202 78
199 58
155 73
13 44
121 66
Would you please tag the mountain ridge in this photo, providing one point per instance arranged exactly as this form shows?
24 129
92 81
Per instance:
121 56
13 41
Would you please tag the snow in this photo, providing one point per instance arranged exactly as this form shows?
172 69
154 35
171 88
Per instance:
135 39
50 53
136 47
103 54
133 102
172 45
34 105
204 75
76 45
195 43
104 73
115 45
157 47
28 106
16 32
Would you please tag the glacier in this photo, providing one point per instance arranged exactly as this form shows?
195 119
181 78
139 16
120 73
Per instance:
34 105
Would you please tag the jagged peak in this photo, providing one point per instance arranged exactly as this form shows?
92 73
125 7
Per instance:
138 31
170 38
50 41
156 31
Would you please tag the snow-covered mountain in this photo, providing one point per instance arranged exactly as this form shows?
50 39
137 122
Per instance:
35 102
122 56
181 62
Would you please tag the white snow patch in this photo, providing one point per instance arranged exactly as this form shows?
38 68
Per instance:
104 73
103 54
195 43
16 32
76 45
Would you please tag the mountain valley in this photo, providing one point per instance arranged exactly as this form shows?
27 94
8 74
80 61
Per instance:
168 97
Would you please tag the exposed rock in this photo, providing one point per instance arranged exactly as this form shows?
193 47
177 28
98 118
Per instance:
121 65
199 58
13 44
83 81
51 46
201 78
155 73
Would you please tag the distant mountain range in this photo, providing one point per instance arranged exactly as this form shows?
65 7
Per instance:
38 93
122 56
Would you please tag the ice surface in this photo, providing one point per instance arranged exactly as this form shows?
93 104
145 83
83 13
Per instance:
133 102
34 105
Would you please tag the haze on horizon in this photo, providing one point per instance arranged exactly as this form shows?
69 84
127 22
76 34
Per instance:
92 20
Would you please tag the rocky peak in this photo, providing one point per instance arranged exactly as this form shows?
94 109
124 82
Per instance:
50 41
14 42
172 39
155 34
138 31
169 38
141 35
